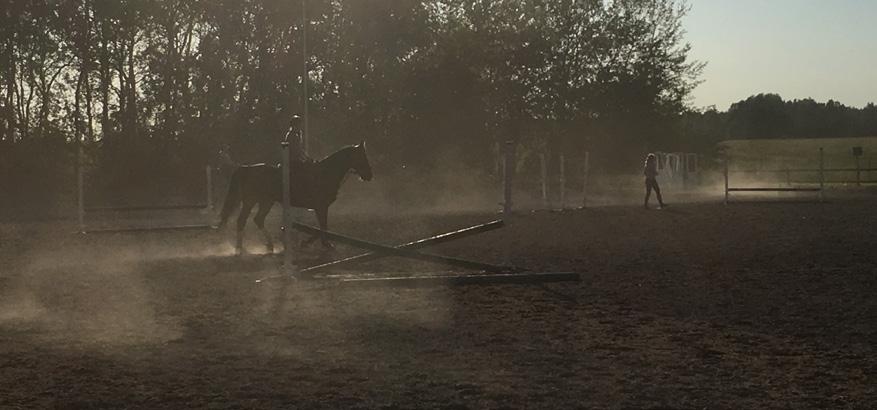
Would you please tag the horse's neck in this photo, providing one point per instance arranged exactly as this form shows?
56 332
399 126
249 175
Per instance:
334 167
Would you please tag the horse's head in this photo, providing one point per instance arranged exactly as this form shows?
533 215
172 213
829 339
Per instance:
360 164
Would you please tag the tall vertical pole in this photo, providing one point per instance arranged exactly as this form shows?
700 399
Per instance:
821 174
562 181
80 190
305 77
726 180
585 182
209 171
287 214
543 164
508 169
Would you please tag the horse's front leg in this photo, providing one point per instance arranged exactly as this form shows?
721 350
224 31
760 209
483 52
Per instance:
323 220
313 238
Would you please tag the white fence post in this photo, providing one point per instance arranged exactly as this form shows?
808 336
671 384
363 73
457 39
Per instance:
209 171
543 163
562 181
821 174
287 214
726 180
80 188
508 170
585 182
858 172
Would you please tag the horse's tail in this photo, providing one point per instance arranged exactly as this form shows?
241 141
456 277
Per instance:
233 197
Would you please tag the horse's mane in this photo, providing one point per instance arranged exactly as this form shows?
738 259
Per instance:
339 151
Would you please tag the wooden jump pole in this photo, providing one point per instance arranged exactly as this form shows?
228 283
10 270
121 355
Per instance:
508 170
405 253
287 211
418 244
460 280
562 181
585 182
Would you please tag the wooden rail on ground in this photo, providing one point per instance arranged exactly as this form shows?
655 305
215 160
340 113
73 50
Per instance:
145 207
405 253
418 244
498 274
774 189
137 229
458 280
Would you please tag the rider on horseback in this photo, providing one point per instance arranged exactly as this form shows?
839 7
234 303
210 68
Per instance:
300 163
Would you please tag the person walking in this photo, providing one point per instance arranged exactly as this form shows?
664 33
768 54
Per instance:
650 171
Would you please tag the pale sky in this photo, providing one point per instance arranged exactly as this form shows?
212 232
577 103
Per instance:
823 49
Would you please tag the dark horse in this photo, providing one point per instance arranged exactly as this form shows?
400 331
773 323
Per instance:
262 184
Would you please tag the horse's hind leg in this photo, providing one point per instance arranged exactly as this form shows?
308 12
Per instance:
311 239
264 208
242 222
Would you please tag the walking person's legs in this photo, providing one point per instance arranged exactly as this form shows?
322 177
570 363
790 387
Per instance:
648 193
658 193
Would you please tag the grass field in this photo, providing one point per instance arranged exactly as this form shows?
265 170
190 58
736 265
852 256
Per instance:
753 161
802 152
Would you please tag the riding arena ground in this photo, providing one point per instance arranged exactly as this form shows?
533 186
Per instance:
702 305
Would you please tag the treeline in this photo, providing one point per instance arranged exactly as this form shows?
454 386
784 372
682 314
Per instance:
148 86
769 116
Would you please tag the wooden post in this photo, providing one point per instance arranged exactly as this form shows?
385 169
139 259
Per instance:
508 170
821 174
80 188
562 181
286 225
585 182
209 171
858 172
726 180
544 168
